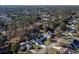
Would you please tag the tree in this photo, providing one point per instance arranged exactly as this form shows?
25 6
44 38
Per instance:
14 48
3 39
77 51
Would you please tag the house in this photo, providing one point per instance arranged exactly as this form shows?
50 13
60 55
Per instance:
2 30
4 48
40 40
24 46
38 18
45 19
66 51
46 35
71 25
45 15
71 28
53 18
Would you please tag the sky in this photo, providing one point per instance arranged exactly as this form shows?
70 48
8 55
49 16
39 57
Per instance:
39 2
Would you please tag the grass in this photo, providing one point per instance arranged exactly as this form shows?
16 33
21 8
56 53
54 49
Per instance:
77 51
24 52
47 42
52 51
36 47
63 43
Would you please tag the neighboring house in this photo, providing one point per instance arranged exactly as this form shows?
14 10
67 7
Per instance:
45 19
53 18
66 51
24 46
45 15
71 26
4 50
42 37
2 30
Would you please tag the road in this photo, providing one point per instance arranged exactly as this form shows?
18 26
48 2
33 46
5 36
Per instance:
71 37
